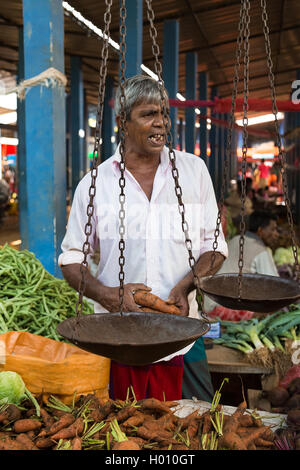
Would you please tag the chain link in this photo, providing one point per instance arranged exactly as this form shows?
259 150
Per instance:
122 132
246 4
172 157
96 157
278 143
228 151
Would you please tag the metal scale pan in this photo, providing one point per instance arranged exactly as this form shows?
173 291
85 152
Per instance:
260 293
133 338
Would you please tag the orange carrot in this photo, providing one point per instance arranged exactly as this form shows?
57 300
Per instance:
232 441
125 413
66 420
11 444
154 405
135 420
250 434
149 310
75 429
25 425
47 419
186 421
260 442
146 299
126 445
232 422
24 439
44 443
76 443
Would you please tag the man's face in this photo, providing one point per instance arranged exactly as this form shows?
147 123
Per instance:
145 129
269 234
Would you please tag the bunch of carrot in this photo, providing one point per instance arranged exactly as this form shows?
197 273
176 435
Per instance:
91 423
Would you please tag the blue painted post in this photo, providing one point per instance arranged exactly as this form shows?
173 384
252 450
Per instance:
170 68
108 121
297 171
21 159
213 139
203 94
77 122
45 132
134 37
190 93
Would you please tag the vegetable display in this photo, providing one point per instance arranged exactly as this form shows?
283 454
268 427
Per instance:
90 423
31 299
13 390
268 342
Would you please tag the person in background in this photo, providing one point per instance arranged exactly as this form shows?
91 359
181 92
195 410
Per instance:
258 259
4 198
234 203
264 172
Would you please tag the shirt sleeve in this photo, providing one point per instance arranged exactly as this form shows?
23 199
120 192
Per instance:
210 214
72 244
264 264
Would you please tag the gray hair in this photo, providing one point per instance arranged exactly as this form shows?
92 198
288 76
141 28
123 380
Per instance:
138 89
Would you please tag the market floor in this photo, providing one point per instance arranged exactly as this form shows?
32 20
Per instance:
9 231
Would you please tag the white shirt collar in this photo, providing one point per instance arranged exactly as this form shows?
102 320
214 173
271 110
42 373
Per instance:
164 159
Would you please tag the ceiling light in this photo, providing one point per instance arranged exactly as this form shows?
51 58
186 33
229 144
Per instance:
260 119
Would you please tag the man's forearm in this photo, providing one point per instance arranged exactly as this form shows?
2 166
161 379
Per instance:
202 268
93 288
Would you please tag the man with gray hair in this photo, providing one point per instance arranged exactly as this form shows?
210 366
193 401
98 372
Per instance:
155 251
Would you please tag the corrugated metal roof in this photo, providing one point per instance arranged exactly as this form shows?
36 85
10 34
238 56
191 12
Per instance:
208 27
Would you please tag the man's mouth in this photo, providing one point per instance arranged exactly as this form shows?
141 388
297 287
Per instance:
156 139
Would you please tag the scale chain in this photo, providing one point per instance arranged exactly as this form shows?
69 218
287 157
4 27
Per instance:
281 151
246 4
228 151
172 157
122 132
96 157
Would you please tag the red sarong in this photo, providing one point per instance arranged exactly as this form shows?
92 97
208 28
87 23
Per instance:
161 380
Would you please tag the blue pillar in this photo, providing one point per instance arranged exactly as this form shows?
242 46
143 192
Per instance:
108 121
190 94
203 95
77 122
170 68
21 161
45 132
213 139
180 134
134 37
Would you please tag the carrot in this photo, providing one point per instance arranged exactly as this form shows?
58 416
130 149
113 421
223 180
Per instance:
146 299
10 444
11 413
246 421
75 429
66 420
126 445
149 310
250 434
135 420
260 442
46 418
168 421
252 446
25 425
26 441
125 413
187 420
76 443
206 422
192 429
155 435
171 404
232 422
232 441
44 443
154 405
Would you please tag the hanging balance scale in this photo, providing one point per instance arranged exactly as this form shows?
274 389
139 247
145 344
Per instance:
243 291
132 338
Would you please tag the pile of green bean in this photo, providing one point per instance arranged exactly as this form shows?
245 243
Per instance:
31 299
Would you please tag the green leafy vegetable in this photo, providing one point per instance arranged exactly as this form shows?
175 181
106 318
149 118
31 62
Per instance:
14 391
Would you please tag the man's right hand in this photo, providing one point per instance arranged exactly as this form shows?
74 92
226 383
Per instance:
110 298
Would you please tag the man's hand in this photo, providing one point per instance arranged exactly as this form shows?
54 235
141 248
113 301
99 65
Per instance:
178 296
110 298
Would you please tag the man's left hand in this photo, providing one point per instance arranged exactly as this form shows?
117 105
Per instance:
178 297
